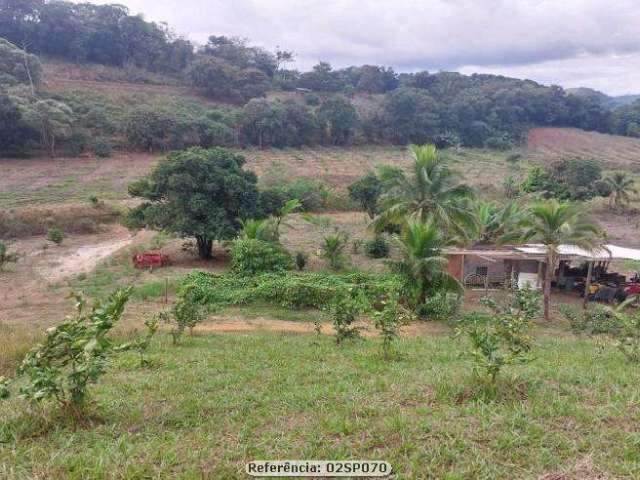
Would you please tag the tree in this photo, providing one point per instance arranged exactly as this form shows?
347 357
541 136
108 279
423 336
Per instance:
197 192
411 115
622 186
338 119
423 267
495 223
53 119
552 224
366 192
17 66
430 192
217 78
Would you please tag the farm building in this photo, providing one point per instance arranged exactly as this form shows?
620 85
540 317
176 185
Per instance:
578 269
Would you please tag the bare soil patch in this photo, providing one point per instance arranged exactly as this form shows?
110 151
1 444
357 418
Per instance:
547 144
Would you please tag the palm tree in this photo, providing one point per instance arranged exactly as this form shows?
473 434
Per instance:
496 223
622 186
429 192
423 266
552 224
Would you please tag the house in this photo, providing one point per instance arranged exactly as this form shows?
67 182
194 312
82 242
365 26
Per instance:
486 265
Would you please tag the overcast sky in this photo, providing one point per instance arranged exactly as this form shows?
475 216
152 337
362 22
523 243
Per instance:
594 43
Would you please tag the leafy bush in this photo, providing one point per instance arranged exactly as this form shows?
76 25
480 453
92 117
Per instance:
55 235
333 250
6 256
388 320
289 290
186 313
345 309
628 336
142 344
366 192
310 194
377 248
251 256
501 338
74 354
439 306
102 147
301 260
593 321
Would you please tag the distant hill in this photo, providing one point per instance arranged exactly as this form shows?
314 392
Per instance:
603 98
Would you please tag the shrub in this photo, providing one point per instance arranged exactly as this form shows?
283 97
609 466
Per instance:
55 235
251 256
345 309
439 306
628 336
74 354
301 259
312 99
310 194
366 191
142 344
186 313
389 319
502 337
592 321
6 256
333 250
377 248
289 290
102 147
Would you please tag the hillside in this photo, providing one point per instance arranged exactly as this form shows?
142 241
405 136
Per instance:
615 152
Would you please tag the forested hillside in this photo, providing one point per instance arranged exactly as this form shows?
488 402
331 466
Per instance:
230 93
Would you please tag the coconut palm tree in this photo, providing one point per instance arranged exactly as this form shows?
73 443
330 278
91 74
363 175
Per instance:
552 224
497 223
423 266
430 192
622 186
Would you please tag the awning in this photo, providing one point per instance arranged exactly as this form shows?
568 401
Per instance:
609 252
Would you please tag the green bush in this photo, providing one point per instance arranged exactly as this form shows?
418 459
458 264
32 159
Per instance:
186 312
439 306
102 147
250 256
55 235
345 309
502 337
377 248
301 260
310 194
592 321
73 355
333 250
6 256
285 289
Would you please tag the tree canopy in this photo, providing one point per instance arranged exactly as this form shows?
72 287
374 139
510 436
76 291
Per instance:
201 193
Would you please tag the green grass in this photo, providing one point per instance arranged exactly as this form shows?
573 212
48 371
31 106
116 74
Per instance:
206 407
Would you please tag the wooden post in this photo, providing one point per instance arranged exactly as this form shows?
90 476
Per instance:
587 286
166 290
539 279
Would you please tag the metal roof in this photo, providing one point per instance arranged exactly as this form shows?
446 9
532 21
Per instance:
539 252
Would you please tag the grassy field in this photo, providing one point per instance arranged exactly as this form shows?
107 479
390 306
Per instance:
204 408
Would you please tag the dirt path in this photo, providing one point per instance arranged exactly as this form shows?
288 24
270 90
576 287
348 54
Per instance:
83 260
243 324
25 293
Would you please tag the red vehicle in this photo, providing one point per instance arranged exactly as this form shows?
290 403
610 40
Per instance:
150 260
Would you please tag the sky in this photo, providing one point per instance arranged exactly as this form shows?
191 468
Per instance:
572 43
